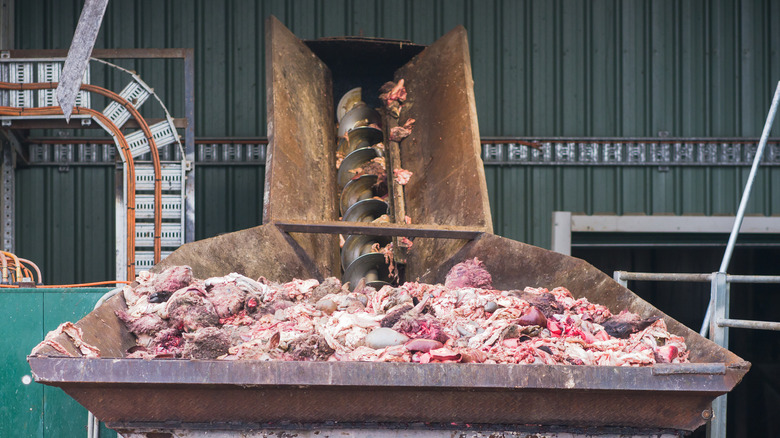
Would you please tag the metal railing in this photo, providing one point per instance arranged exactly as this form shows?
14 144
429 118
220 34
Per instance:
716 320
719 322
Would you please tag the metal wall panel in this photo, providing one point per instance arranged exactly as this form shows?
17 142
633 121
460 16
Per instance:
524 197
229 198
65 221
605 68
541 68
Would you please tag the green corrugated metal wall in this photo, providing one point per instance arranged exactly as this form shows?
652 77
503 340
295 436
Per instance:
541 68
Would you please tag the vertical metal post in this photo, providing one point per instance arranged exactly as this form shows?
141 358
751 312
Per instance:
561 236
6 24
618 276
7 170
719 302
189 145
120 199
7 193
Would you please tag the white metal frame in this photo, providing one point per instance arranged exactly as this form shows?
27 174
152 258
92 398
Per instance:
565 223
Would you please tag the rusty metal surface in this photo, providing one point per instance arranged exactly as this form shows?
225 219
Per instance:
443 151
381 431
300 169
379 229
102 329
254 252
249 391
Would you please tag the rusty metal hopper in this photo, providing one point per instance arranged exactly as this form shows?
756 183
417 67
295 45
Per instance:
448 200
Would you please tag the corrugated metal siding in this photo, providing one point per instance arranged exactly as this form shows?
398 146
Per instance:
65 222
522 198
541 68
229 198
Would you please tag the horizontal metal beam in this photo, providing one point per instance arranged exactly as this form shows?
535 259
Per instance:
748 324
384 229
652 276
700 278
132 430
60 123
671 224
174 53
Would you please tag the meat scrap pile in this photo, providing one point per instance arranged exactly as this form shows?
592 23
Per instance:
465 320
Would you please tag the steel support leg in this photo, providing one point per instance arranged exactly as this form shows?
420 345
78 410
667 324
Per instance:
719 301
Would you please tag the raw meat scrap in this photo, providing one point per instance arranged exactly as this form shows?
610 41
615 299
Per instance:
188 309
464 320
376 166
626 323
471 273
399 133
173 279
227 298
393 96
76 336
402 176
205 343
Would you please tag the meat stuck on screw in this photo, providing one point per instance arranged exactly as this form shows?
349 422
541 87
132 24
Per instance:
235 317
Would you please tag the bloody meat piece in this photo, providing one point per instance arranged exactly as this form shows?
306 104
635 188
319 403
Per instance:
393 95
533 316
330 285
227 299
374 167
471 273
146 324
402 176
544 301
424 326
399 133
624 324
173 279
393 91
205 343
188 309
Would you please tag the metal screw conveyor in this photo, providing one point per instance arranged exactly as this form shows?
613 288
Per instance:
447 201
